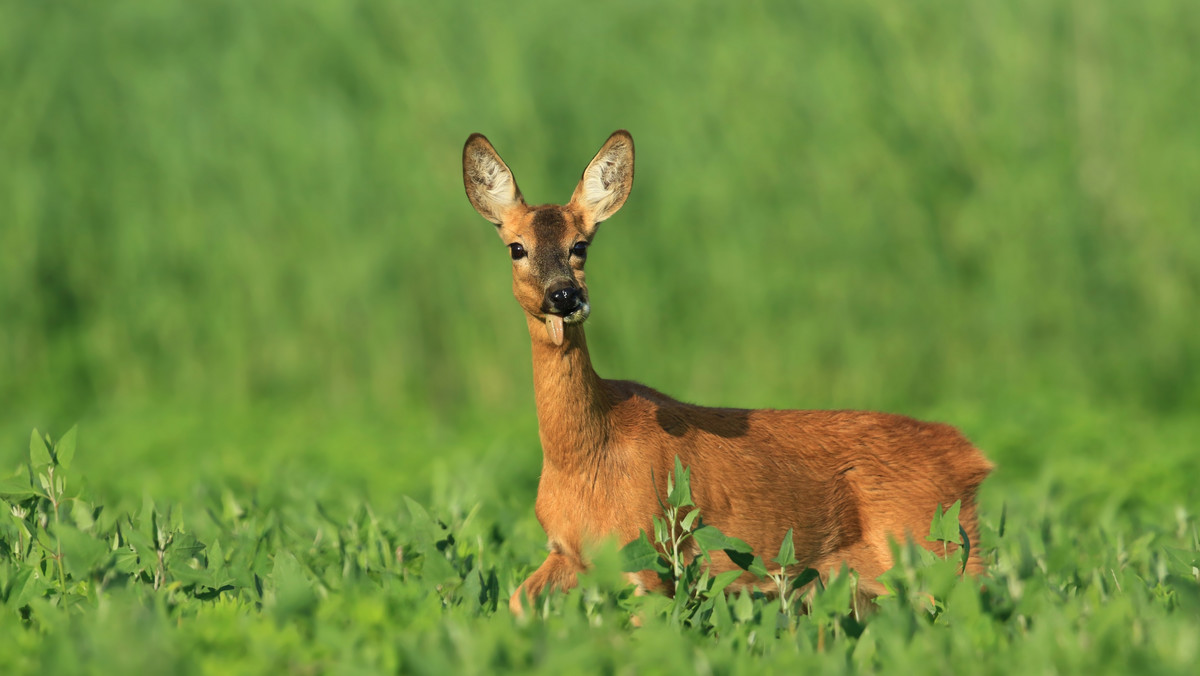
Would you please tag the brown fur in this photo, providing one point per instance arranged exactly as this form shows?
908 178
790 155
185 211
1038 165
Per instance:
844 481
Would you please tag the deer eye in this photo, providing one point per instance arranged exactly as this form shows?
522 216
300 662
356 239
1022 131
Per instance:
580 249
516 250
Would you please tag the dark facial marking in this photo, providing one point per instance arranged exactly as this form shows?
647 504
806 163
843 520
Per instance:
549 228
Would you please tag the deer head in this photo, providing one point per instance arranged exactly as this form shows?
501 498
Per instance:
549 243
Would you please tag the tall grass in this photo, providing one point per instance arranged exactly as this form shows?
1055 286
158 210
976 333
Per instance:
969 209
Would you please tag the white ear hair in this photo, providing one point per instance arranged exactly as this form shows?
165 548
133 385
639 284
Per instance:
489 182
606 182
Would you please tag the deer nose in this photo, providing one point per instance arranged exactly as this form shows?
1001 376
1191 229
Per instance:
563 300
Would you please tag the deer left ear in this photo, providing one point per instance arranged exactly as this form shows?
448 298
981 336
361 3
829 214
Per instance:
606 182
489 182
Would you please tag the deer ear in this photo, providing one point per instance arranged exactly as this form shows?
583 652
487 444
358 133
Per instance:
489 182
607 180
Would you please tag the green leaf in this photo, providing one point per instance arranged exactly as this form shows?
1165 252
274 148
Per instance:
944 527
81 514
966 547
64 450
787 552
142 545
216 556
471 591
42 537
25 586
705 576
709 538
187 574
722 619
293 592
641 555
680 494
435 567
835 598
723 580
743 608
690 519
39 455
758 567
16 488
804 578
416 511
865 653
740 559
950 524
769 620
427 534
146 518
127 561
935 526
184 548
649 605
661 532
1182 560
963 603
82 553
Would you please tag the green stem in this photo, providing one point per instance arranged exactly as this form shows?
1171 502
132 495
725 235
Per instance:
675 567
58 554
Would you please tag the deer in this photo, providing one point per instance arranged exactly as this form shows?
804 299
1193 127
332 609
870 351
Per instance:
846 483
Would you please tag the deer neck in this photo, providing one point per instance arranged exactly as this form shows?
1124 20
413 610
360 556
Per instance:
572 402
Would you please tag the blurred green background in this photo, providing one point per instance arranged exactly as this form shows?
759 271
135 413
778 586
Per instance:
234 244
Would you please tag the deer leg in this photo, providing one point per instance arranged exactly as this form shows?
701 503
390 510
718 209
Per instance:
557 572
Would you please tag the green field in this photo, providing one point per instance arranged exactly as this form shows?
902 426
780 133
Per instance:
235 250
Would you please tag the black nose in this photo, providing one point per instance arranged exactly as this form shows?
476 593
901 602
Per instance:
564 300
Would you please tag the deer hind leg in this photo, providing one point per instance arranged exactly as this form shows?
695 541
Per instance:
557 573
863 561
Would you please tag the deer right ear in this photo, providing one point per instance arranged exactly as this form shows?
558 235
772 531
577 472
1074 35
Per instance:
490 185
607 180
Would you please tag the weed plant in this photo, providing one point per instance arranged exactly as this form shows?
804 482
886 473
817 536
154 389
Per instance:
298 588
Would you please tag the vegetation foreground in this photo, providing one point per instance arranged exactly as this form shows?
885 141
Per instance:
234 247
297 587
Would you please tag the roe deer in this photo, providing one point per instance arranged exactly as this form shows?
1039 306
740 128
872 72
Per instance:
844 481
